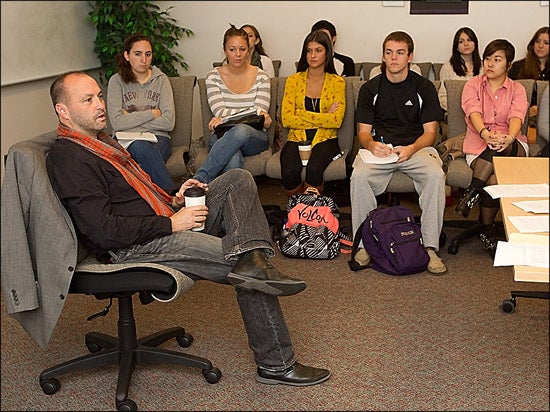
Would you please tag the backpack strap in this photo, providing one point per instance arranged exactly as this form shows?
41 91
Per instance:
345 243
353 265
312 191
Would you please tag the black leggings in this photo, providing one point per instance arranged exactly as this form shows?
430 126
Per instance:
482 166
291 165
483 171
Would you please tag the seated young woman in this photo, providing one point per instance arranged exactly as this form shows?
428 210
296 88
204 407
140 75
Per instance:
232 88
312 109
495 108
140 99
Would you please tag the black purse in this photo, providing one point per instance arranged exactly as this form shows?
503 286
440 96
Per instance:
254 120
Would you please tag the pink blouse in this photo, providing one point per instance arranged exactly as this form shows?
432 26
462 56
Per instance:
509 101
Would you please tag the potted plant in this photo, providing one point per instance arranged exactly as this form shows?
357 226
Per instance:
116 20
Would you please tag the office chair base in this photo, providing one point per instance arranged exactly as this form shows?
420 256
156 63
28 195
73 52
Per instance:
471 229
127 351
509 305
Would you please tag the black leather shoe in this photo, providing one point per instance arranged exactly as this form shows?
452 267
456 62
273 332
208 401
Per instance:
296 375
252 271
468 201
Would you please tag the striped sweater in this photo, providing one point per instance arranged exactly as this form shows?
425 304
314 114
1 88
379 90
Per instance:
223 102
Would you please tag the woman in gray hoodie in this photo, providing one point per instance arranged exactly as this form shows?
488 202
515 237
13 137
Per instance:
140 99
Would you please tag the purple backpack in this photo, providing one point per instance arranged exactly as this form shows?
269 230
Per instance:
393 240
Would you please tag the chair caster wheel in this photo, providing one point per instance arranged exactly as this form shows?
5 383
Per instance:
93 347
452 249
212 375
127 406
509 305
185 340
50 386
442 240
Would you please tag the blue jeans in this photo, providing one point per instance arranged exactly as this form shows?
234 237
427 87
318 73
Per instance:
228 152
152 158
234 209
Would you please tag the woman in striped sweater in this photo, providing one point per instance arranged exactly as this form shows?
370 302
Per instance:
233 88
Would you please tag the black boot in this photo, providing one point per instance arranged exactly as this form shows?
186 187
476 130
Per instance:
468 201
252 271
489 239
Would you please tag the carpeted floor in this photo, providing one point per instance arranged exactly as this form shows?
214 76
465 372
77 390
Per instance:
392 343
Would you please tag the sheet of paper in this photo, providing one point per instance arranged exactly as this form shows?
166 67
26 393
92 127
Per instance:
126 138
528 254
534 206
150 137
530 224
531 190
368 157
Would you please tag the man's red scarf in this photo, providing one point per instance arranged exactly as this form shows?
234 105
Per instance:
109 149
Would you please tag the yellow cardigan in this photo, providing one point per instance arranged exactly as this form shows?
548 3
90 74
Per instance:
297 119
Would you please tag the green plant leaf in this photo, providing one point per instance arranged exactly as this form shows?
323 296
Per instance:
116 20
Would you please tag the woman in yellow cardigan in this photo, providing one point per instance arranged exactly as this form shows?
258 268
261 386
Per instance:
313 108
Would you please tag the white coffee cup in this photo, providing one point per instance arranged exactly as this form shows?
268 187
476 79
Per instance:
305 152
195 196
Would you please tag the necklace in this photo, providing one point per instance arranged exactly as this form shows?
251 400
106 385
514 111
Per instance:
314 102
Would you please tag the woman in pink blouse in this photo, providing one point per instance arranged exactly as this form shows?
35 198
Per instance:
495 108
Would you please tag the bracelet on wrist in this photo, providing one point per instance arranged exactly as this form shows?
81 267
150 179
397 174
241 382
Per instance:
481 132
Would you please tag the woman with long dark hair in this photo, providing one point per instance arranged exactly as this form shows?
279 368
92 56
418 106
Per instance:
312 109
464 63
258 56
534 66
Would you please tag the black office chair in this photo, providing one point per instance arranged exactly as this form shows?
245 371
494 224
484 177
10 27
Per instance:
121 282
104 281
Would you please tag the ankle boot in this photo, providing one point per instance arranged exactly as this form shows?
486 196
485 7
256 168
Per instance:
253 272
468 201
295 191
488 239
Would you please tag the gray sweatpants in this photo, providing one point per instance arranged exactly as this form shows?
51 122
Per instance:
424 167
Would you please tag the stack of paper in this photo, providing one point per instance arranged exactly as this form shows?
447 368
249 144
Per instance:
527 190
529 253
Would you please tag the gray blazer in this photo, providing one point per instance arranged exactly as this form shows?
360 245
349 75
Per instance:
35 228
40 249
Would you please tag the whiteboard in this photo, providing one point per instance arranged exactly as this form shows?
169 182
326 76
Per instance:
42 39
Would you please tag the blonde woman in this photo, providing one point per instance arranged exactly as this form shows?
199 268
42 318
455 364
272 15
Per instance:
232 88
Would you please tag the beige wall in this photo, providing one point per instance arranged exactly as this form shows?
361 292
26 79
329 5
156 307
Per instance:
361 26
